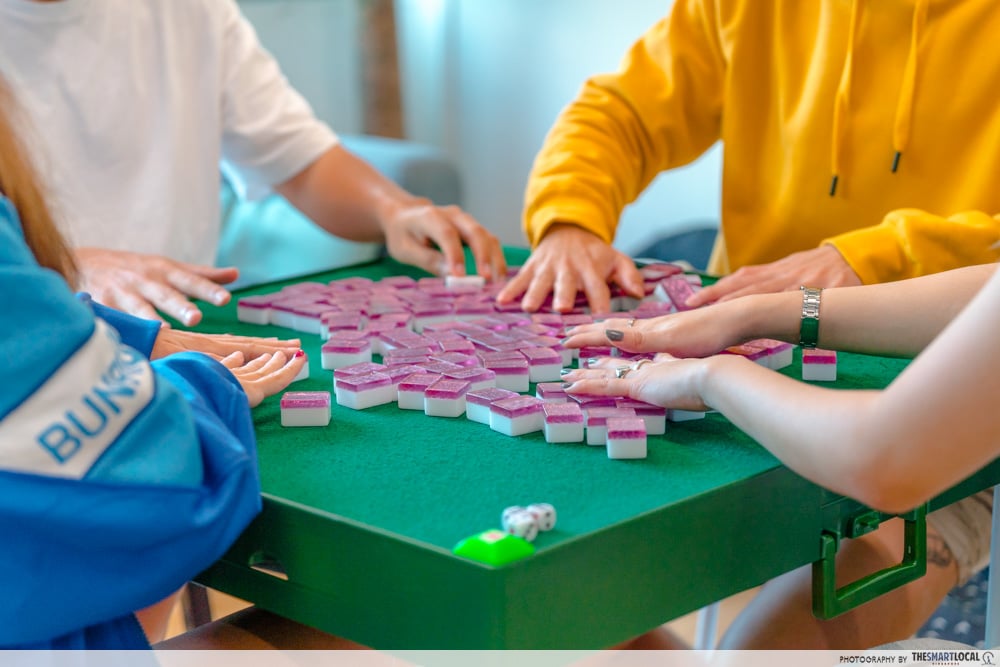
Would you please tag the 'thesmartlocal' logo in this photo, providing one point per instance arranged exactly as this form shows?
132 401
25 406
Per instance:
978 658
941 658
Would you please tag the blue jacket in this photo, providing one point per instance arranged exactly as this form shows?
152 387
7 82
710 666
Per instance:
119 479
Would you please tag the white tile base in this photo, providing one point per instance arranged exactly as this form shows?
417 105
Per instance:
556 433
305 416
360 400
517 425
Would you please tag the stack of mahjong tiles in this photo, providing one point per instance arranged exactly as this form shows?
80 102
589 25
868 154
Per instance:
443 346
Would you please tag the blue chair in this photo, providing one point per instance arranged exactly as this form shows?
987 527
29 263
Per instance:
269 239
693 245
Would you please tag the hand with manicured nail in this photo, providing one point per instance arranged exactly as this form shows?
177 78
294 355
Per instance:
265 375
666 381
693 333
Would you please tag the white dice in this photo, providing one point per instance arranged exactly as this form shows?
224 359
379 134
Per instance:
510 511
544 514
527 521
521 523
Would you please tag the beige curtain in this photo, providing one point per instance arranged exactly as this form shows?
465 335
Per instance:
382 103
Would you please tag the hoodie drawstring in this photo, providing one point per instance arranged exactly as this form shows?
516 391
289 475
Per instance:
904 108
841 104
907 92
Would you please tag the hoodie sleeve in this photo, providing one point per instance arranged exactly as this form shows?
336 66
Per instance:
661 109
119 480
136 332
910 243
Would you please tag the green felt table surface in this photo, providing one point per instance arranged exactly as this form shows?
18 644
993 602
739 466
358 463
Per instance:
362 515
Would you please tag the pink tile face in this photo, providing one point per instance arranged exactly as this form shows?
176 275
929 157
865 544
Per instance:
562 413
260 301
342 346
305 399
400 373
595 351
626 427
363 368
418 381
818 356
367 382
541 356
508 366
641 409
448 388
600 416
489 395
679 290
472 374
517 407
589 401
550 390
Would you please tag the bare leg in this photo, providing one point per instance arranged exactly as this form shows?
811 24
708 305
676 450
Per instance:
657 639
780 616
256 629
154 618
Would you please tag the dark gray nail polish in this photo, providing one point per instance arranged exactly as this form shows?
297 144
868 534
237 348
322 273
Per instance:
565 371
614 334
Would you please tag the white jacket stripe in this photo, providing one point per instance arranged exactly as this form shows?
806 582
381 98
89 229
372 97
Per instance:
70 421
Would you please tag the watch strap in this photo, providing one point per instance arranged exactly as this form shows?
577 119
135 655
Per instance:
809 326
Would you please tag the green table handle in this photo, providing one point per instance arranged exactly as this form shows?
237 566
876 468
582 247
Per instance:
829 601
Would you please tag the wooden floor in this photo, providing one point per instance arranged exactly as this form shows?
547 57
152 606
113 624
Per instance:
684 627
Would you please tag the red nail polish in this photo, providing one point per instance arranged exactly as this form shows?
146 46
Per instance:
300 353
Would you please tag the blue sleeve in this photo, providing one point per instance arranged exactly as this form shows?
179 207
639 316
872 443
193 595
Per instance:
119 480
136 332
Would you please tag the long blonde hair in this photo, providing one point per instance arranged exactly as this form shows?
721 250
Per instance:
19 182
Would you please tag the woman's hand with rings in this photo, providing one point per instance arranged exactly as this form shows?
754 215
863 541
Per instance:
693 333
665 381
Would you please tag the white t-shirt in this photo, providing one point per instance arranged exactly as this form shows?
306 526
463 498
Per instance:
132 105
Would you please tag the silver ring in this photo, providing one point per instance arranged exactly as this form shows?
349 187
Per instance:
622 371
630 322
638 363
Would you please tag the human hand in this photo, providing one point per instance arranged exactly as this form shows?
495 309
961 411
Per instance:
569 258
265 375
693 333
431 237
819 267
666 380
172 341
142 284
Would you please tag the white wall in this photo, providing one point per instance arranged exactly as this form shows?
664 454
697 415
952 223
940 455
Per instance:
483 80
316 43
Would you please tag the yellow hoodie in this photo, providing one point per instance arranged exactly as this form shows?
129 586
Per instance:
816 101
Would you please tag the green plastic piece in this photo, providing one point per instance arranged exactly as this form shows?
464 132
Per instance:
829 601
864 524
494 547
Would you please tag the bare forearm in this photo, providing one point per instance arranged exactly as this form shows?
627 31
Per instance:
814 431
898 319
345 195
933 426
